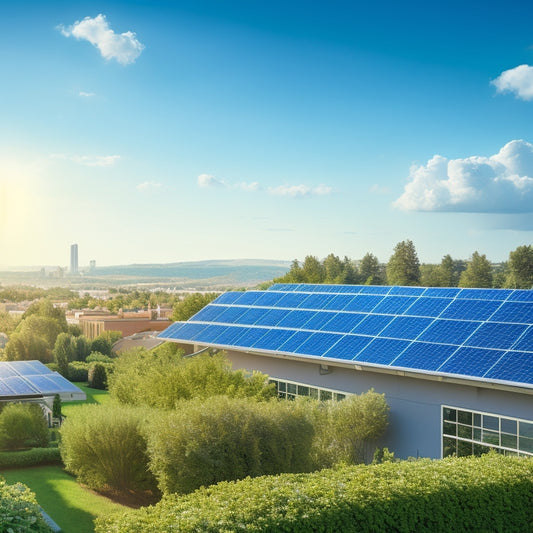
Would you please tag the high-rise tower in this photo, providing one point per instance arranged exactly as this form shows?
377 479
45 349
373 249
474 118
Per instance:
73 259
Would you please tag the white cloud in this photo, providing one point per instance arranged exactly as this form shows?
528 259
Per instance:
90 160
502 183
254 186
86 95
296 191
518 80
123 47
148 185
206 181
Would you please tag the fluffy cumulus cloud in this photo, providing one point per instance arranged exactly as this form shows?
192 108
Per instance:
518 80
299 191
502 183
123 47
207 181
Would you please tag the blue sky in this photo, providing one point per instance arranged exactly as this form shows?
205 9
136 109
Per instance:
188 130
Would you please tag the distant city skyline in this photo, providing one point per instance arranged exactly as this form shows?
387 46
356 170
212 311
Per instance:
179 131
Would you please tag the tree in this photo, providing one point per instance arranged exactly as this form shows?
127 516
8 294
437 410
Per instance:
478 273
63 352
349 272
45 308
191 304
520 268
102 345
56 407
370 270
313 270
26 346
403 267
23 425
82 347
333 268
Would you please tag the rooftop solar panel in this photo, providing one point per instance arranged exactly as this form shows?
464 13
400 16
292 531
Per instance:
20 386
464 332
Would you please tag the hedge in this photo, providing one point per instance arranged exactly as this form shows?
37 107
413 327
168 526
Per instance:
33 457
488 493
19 511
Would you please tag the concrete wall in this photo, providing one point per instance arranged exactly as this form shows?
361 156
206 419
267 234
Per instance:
415 404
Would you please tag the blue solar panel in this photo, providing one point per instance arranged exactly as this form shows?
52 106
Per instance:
318 343
297 339
248 298
291 300
339 302
424 356
271 317
62 384
42 383
29 367
394 305
363 303
375 289
296 319
343 322
432 307
251 336
471 309
183 331
484 294
20 386
284 287
316 301
228 298
521 312
230 315
269 299
209 312
442 292
513 366
273 339
210 333
372 324
318 320
229 336
521 295
382 351
406 291
471 361
496 335
406 327
525 342
348 347
5 390
449 331
6 371
252 315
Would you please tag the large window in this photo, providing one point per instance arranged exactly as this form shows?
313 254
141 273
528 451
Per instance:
474 432
291 389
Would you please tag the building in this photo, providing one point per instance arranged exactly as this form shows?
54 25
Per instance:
74 260
92 265
455 365
91 326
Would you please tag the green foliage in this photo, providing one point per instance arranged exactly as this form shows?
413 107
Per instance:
22 425
56 406
203 442
78 371
100 357
26 347
403 267
488 493
97 376
7 323
478 273
32 457
101 345
82 347
63 353
370 271
161 379
191 304
19 511
520 268
45 308
105 447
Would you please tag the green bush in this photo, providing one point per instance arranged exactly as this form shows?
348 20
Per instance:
104 446
22 425
78 371
491 493
19 511
162 379
33 457
97 376
100 357
207 441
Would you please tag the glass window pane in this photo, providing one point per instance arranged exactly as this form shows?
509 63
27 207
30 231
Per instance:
526 444
477 420
291 388
491 437
303 390
479 449
449 428
282 386
325 395
313 393
491 422
340 396
509 441
464 417
449 414
477 434
449 446
464 432
282 395
526 429
508 426
464 448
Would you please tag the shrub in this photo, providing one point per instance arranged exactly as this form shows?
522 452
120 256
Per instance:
207 441
33 457
97 377
19 510
78 371
488 493
100 357
22 425
106 449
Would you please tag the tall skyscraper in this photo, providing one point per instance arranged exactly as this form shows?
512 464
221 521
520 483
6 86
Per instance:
73 259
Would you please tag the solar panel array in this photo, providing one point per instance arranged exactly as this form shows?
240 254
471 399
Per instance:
477 333
32 378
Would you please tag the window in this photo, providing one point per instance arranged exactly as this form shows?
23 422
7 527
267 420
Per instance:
290 389
473 433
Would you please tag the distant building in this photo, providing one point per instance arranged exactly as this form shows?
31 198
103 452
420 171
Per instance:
73 259
92 326
92 265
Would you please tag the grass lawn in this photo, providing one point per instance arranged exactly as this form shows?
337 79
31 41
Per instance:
72 507
93 396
